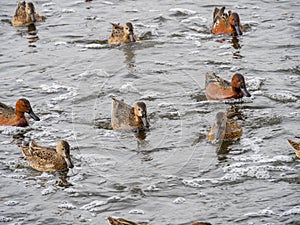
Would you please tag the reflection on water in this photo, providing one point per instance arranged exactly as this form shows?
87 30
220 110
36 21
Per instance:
63 180
235 43
32 35
129 53
226 129
141 135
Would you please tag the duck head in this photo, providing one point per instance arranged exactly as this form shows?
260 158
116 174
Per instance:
238 84
128 30
140 111
23 106
30 10
63 149
234 21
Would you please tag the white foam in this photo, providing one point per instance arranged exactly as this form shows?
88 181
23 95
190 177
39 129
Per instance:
128 87
68 10
191 183
57 43
136 211
93 204
5 219
179 200
182 10
108 3
66 205
11 203
92 46
48 190
294 210
48 4
282 96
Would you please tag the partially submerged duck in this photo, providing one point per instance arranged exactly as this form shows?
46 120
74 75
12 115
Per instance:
225 127
217 88
121 221
16 117
126 117
296 146
25 15
48 159
121 34
226 23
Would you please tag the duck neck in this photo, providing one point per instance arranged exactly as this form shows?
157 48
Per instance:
20 114
137 119
237 92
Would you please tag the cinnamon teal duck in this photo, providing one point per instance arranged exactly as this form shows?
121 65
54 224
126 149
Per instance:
217 88
15 117
226 23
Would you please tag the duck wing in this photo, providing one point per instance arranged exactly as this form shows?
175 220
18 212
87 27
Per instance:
122 114
213 78
117 30
6 110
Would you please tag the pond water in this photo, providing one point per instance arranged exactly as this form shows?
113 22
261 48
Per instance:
172 175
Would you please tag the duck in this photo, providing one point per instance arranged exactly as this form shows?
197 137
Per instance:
121 221
25 15
225 126
16 117
46 158
226 23
126 117
121 34
296 146
217 88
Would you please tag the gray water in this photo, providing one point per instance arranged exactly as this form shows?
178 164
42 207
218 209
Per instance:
173 175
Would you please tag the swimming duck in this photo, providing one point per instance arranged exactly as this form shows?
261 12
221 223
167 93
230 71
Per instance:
48 159
15 117
225 126
126 117
25 15
296 146
226 23
121 221
121 34
217 88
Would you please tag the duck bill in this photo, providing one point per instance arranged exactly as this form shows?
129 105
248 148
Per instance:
32 17
245 92
132 38
69 162
33 116
238 30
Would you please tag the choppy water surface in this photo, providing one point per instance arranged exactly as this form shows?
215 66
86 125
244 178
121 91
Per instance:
173 175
